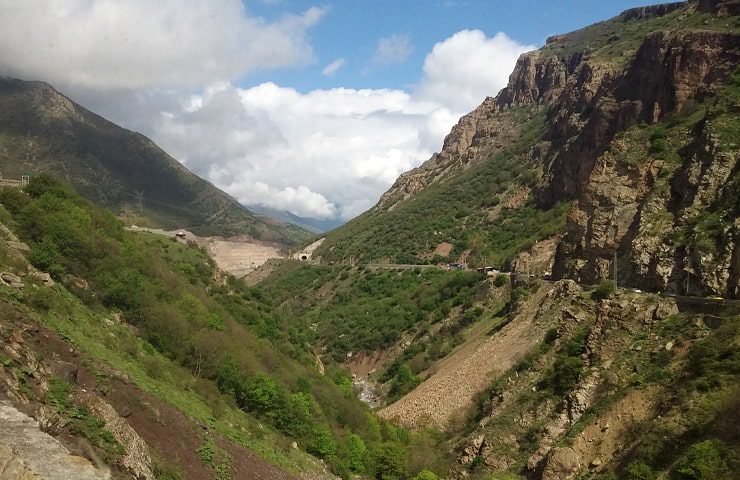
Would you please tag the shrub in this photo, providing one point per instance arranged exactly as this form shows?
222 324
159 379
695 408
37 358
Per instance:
500 280
356 453
551 336
638 470
389 460
426 475
321 443
404 381
703 461
605 290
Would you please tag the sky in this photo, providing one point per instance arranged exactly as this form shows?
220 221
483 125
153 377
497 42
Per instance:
313 108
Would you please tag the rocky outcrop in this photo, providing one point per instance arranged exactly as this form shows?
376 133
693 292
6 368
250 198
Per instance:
612 192
136 459
640 13
539 259
623 202
12 467
562 464
29 453
479 134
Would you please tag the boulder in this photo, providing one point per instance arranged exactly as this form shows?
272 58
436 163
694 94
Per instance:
20 246
561 464
11 280
44 277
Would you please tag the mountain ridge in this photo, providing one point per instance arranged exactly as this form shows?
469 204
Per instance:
43 131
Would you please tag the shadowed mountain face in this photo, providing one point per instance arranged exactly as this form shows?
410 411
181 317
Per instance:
618 140
42 131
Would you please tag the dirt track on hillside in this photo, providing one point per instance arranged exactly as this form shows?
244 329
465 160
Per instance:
451 391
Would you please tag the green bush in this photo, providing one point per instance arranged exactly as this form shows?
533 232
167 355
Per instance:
389 461
426 475
705 460
356 453
321 443
605 290
640 471
404 381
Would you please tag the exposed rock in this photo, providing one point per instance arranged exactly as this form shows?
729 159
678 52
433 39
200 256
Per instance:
76 282
11 280
12 468
44 277
651 11
20 246
137 458
561 464
539 259
38 452
616 208
482 130
473 450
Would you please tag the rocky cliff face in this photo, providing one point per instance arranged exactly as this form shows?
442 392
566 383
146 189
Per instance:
663 68
668 72
478 134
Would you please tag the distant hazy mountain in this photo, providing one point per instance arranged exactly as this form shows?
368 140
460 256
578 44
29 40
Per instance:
311 224
41 130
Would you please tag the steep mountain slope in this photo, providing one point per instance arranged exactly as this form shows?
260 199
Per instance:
42 131
621 137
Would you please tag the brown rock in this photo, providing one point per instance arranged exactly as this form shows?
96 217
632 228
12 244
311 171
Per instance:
20 246
561 464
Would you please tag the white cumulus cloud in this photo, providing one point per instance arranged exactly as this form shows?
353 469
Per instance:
321 154
465 68
141 43
170 69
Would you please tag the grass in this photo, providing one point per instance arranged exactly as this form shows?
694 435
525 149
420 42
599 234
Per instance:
614 41
81 422
116 347
215 458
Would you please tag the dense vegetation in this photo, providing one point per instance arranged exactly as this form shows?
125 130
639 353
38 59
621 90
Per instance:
365 309
172 294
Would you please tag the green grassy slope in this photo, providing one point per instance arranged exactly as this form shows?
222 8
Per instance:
192 323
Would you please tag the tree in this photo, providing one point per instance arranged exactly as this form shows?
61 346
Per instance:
703 461
322 443
426 475
389 461
356 453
